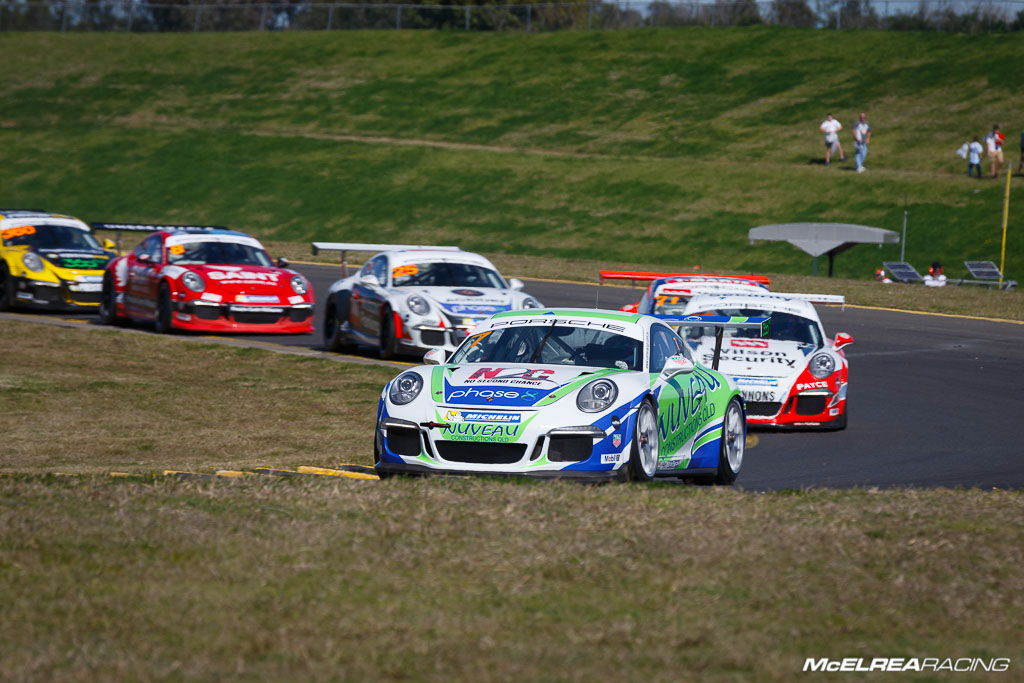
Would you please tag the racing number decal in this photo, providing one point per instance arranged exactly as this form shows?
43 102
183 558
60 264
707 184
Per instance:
20 231
660 300
177 249
402 271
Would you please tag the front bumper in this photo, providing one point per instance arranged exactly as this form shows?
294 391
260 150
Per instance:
819 409
56 296
572 475
218 317
527 446
422 338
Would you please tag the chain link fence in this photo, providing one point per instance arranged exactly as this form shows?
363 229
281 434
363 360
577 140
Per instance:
146 17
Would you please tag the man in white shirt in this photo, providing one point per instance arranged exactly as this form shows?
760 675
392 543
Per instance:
994 144
861 138
830 127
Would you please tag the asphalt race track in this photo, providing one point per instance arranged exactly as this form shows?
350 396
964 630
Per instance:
934 401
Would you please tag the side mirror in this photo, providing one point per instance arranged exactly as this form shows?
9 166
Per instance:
515 284
109 245
435 357
283 262
842 339
370 280
676 365
143 258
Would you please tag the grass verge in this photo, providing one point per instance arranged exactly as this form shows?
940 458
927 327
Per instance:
494 580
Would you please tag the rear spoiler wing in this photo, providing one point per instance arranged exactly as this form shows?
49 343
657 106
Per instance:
345 247
829 299
719 322
640 276
118 228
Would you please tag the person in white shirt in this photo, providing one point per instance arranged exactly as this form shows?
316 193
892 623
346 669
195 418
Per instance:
861 138
830 127
935 276
974 150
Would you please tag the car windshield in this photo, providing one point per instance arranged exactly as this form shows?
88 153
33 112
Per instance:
445 275
783 327
670 304
552 345
51 237
220 253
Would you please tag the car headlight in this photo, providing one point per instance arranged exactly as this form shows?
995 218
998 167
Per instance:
417 304
32 261
597 396
299 284
193 281
530 302
405 389
822 365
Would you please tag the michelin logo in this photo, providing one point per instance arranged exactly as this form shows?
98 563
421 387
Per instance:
476 416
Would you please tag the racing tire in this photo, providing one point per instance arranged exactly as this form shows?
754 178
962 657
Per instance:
388 343
162 321
733 442
334 340
107 313
643 454
6 288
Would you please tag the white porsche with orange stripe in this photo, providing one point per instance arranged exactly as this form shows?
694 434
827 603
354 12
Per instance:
407 299
797 377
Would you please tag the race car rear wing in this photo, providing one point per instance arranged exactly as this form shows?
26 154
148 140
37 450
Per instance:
345 247
829 299
639 276
719 322
118 228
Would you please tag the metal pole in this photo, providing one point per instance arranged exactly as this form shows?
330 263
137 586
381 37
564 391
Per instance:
63 16
330 16
467 17
1006 217
263 17
529 18
590 14
131 15
903 239
398 17
195 22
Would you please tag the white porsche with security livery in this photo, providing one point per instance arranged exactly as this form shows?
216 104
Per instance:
797 377
409 299
573 393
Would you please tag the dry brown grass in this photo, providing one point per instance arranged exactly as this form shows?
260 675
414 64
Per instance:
87 400
438 579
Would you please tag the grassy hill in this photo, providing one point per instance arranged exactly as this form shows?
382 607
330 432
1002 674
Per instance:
563 144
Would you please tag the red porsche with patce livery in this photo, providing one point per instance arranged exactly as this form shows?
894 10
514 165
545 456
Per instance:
204 279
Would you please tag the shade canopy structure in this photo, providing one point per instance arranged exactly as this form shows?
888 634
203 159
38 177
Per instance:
823 238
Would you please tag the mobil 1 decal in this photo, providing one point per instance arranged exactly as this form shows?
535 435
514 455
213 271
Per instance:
685 404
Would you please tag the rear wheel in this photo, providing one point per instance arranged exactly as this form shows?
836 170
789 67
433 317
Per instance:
334 339
643 457
387 335
734 440
163 310
6 288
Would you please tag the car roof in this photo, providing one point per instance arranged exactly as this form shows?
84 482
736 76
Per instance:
403 256
764 302
17 217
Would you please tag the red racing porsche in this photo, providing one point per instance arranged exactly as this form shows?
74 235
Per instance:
204 279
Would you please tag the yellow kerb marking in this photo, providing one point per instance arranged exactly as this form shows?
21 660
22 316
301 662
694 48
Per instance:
118 474
231 473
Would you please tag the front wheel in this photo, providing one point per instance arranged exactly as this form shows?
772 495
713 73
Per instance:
6 288
387 342
108 305
643 457
163 310
733 441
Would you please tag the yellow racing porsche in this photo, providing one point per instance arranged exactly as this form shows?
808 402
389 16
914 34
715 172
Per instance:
50 261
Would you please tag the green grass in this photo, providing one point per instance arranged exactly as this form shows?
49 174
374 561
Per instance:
681 139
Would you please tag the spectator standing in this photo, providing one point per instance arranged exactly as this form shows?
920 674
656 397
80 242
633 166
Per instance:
994 145
974 150
830 127
861 138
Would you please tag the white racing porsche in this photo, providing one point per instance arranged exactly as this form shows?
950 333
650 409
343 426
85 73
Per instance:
797 377
409 299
